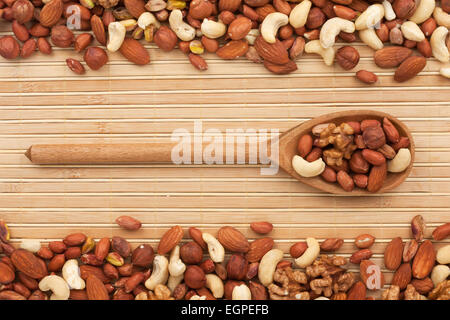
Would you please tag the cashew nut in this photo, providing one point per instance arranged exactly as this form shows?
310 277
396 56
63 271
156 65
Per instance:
369 37
332 28
267 266
147 19
183 31
299 15
327 54
400 162
241 292
176 266
442 18
160 272
57 285
411 31
443 255
423 11
321 298
215 284
215 248
116 35
308 169
389 12
141 296
271 24
31 245
197 297
174 281
438 46
212 29
445 72
308 257
370 17
71 273
439 274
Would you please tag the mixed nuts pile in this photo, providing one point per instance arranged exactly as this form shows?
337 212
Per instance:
272 32
353 153
78 267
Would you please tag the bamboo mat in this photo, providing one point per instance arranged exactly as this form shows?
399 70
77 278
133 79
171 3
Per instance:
42 101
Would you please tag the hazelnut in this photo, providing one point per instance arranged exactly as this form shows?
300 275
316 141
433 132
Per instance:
404 9
347 57
23 11
316 18
374 137
9 47
237 267
194 277
62 36
95 57
191 253
143 256
120 245
165 38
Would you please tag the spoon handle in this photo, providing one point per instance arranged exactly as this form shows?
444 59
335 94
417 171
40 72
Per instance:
152 152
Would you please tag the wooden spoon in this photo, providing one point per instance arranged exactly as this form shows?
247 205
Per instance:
160 152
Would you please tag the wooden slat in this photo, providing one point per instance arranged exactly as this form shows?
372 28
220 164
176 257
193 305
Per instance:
44 102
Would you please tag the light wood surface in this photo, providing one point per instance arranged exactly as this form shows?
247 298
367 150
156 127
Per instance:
42 101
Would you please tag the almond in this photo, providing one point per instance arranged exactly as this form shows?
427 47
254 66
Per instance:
134 51
259 248
391 132
51 13
393 254
128 223
357 291
410 68
170 239
196 235
275 53
87 270
95 289
368 273
11 295
98 28
424 260
9 47
233 240
6 274
261 227
402 276
391 57
239 28
135 7
377 177
233 49
29 264
441 232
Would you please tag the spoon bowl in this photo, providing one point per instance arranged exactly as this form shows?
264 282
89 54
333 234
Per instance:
289 140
